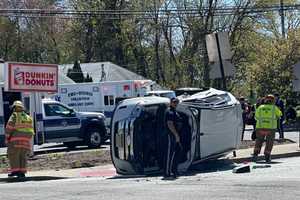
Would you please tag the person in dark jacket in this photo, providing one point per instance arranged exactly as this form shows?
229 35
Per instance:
280 104
245 111
291 113
173 124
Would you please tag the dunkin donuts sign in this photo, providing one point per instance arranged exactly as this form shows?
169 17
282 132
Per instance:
32 77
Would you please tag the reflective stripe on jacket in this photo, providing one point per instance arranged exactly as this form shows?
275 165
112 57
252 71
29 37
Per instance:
19 130
266 116
20 122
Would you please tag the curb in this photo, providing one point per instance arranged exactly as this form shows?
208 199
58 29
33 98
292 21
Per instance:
261 157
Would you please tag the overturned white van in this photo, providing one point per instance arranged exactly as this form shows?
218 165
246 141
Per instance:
212 127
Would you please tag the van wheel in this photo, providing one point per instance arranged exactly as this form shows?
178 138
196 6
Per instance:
94 139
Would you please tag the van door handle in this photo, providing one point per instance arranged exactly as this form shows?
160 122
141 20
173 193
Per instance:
201 134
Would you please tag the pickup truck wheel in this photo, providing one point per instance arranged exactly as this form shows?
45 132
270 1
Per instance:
94 139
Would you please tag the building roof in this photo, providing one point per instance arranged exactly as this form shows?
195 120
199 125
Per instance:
103 71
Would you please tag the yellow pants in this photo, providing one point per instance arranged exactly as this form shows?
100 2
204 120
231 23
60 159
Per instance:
17 158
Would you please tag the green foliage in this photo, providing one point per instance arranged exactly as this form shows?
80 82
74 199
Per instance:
76 73
88 78
168 49
266 58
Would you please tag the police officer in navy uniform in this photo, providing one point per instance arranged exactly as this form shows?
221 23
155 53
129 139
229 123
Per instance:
173 126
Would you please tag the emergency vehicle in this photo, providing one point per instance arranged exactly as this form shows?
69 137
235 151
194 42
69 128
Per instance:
56 122
53 121
102 96
212 127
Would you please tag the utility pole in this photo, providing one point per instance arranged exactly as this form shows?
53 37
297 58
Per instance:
170 38
221 63
282 18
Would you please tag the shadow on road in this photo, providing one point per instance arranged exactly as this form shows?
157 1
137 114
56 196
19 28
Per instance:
203 167
211 166
263 162
33 178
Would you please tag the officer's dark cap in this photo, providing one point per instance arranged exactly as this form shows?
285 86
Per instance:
174 99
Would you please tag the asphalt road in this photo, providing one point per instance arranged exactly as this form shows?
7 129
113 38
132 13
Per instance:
280 181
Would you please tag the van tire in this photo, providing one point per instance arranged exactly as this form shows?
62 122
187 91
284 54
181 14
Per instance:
94 138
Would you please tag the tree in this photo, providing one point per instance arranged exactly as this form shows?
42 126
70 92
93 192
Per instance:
76 73
161 40
265 58
88 78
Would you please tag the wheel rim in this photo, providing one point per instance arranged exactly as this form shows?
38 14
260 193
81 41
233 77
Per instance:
95 138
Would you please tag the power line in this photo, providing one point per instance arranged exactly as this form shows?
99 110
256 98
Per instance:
143 14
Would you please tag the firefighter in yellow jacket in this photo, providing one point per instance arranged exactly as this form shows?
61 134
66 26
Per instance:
18 136
266 117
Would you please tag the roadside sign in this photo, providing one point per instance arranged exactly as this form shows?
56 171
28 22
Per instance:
31 77
212 46
219 55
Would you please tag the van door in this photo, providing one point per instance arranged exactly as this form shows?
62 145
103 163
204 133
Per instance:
60 122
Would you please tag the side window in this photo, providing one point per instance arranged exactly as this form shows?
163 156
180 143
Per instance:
48 110
109 100
56 110
106 100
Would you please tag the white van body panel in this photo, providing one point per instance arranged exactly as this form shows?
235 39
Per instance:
81 97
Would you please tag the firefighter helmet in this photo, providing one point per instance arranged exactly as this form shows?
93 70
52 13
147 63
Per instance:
18 104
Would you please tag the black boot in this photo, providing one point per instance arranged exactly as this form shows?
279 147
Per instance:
268 158
21 175
254 157
12 174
